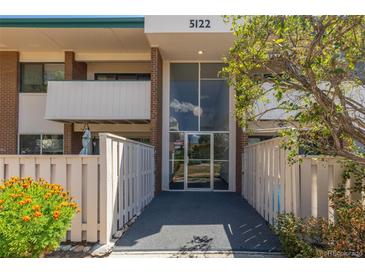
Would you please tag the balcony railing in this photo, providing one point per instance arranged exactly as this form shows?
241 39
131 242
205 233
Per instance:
98 101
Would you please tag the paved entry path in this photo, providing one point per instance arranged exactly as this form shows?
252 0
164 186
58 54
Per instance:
199 221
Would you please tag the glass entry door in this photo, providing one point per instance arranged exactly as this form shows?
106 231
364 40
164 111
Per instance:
198 161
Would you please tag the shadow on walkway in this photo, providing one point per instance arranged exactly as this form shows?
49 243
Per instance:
199 221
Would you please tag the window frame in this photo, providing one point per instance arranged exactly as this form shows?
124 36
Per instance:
20 89
116 74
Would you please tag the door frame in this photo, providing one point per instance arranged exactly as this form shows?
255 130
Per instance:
186 161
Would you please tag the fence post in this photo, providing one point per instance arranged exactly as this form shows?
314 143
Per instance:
138 180
106 191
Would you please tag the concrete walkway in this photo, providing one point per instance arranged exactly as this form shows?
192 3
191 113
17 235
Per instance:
186 222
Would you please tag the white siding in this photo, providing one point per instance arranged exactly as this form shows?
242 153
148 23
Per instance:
31 115
98 100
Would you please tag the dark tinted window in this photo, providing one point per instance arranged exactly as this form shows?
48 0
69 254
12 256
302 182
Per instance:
29 144
40 144
122 76
211 70
35 76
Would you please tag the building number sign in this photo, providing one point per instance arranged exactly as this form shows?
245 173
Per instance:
199 24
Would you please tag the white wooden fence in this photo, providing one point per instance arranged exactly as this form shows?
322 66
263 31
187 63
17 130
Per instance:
110 188
127 171
273 186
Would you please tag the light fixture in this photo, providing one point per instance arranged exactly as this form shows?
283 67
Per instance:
200 52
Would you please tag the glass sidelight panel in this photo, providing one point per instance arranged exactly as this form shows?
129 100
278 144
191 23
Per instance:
221 172
184 97
176 174
199 161
176 146
221 146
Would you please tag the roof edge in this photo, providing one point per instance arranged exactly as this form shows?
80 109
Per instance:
126 22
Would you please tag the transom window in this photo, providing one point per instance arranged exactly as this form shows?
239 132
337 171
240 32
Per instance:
122 76
40 144
199 97
35 76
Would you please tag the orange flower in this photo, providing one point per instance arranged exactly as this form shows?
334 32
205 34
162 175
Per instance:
2 187
26 218
28 201
64 204
47 195
56 214
37 214
25 185
36 207
21 203
74 205
2 201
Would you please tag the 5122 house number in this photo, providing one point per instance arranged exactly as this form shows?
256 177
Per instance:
199 24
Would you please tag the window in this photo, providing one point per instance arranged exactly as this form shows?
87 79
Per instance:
40 144
30 144
214 103
184 97
122 76
221 161
198 101
35 76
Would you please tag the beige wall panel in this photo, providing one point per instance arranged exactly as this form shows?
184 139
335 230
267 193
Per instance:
31 115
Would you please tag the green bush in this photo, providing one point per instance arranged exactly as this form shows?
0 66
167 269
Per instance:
289 229
34 217
317 237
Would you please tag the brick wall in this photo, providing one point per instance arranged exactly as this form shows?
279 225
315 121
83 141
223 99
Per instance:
74 70
72 141
9 101
156 113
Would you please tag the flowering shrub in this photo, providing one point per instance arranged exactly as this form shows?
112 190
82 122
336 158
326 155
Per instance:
34 217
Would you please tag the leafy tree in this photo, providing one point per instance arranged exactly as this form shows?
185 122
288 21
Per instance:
314 69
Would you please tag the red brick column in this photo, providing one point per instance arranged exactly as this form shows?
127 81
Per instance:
156 113
9 101
74 70
241 141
